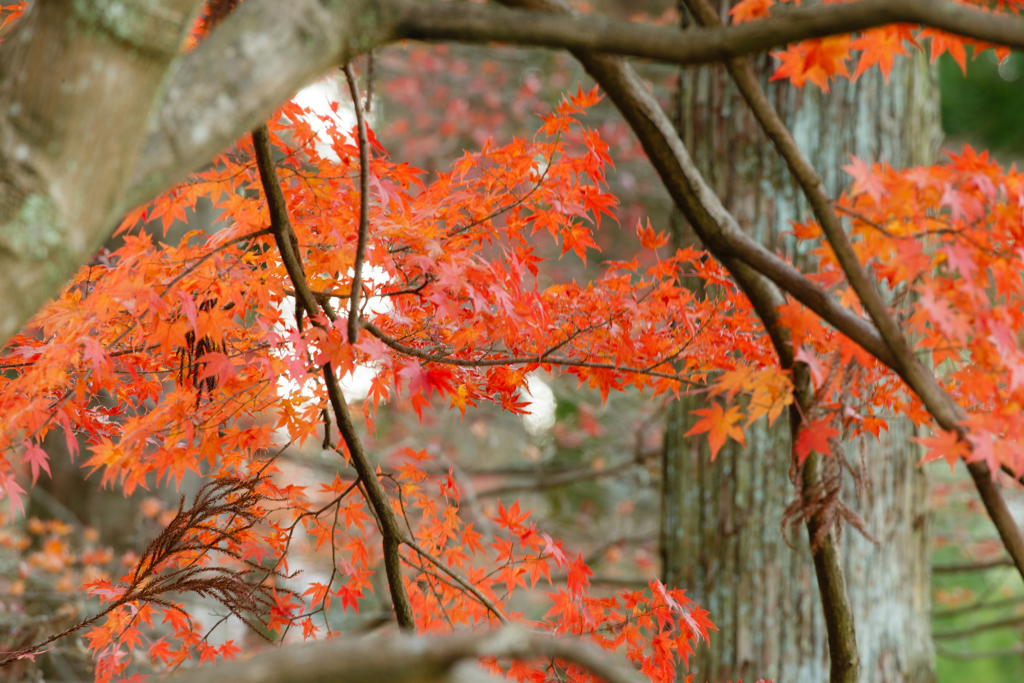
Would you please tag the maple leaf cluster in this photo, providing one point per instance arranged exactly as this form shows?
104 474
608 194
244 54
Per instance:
945 241
203 370
182 359
822 60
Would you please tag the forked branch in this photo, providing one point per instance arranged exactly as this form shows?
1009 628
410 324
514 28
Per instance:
284 236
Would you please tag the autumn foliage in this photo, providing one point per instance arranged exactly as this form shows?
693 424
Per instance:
187 359
195 348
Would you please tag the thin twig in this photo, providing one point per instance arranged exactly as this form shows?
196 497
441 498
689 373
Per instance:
972 566
370 63
980 628
364 208
541 359
491 607
977 607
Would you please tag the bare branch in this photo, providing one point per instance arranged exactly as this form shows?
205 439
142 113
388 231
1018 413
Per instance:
980 654
544 482
403 659
223 88
481 23
972 566
980 628
978 606
364 208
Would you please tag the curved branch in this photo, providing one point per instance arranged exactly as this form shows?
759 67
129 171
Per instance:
980 654
541 359
972 566
566 478
722 235
980 628
482 23
403 659
224 88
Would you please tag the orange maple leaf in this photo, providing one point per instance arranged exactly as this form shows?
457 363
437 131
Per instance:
946 42
817 61
815 437
750 10
578 238
880 46
719 425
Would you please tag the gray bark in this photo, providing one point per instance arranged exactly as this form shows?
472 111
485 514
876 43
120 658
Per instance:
721 521
78 79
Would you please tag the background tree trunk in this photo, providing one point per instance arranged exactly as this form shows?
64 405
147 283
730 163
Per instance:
721 537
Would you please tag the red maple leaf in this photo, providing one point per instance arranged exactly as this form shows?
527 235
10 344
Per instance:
750 10
815 436
943 444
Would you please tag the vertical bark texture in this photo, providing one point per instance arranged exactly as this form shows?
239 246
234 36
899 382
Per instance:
721 521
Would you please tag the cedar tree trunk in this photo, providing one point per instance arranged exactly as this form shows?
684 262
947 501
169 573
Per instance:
721 536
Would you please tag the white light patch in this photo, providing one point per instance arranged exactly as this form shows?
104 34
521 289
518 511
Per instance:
356 384
540 416
318 98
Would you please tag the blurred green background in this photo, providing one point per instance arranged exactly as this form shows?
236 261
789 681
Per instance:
985 109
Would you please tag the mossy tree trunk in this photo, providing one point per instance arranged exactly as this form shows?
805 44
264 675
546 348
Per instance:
721 528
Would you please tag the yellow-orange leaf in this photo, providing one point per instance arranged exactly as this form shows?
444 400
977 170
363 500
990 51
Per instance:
719 424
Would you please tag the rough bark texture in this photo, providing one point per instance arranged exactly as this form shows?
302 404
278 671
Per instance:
68 144
721 526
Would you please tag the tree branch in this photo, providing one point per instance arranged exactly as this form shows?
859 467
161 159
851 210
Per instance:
589 32
972 566
284 236
403 659
540 359
921 380
364 208
978 606
465 584
551 481
980 654
67 152
225 87
980 628
722 235
265 50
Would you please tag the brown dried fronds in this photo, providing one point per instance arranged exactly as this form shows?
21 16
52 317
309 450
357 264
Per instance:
219 520
190 368
822 503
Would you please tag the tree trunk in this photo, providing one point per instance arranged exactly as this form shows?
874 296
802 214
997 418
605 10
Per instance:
721 536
